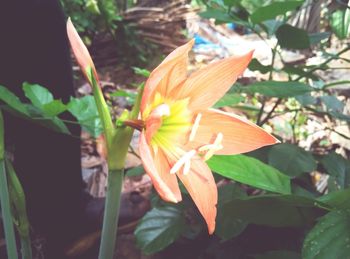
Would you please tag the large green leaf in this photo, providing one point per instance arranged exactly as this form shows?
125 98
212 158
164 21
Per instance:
272 210
278 89
291 37
272 10
255 65
37 94
85 110
159 228
227 227
291 159
339 170
250 171
330 238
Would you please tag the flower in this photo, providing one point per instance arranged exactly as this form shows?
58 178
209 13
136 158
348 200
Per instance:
180 131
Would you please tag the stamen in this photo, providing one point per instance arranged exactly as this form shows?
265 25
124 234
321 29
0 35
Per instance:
187 167
210 149
182 161
195 126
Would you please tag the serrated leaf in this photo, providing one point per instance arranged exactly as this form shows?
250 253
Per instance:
278 89
250 171
291 37
272 10
12 101
330 237
291 159
37 94
85 111
53 108
159 228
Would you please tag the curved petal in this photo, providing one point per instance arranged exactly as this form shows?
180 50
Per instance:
239 134
80 51
200 184
207 85
171 72
158 169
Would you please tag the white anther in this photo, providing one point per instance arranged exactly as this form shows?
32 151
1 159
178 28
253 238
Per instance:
187 167
210 149
195 126
182 161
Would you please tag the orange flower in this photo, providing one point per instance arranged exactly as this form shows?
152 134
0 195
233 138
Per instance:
180 131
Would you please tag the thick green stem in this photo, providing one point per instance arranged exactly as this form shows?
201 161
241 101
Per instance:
110 220
26 247
19 211
5 200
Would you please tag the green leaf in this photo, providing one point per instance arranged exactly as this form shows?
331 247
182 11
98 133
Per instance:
278 89
271 26
290 37
135 171
159 228
306 99
129 96
37 94
339 170
340 23
141 72
278 254
316 38
229 99
54 108
220 16
85 111
330 238
227 227
272 210
338 200
272 10
255 65
12 101
332 103
250 171
291 159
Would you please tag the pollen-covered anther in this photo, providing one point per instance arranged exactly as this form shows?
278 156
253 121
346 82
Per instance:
210 149
195 127
185 161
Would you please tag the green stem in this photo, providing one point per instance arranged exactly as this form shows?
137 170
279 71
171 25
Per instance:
19 211
26 248
6 214
110 219
117 151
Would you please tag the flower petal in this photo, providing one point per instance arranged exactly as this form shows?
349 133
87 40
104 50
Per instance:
171 72
158 169
239 134
200 184
207 85
80 51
